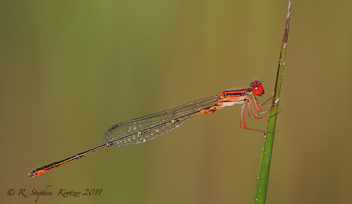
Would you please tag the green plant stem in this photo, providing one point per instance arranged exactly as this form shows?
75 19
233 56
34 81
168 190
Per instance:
264 169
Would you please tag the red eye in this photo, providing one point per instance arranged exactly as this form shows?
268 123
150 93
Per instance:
257 88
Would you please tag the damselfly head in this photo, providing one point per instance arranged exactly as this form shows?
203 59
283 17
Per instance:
257 88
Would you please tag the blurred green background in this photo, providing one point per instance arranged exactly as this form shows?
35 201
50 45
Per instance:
71 69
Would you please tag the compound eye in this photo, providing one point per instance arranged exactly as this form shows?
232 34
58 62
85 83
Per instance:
258 89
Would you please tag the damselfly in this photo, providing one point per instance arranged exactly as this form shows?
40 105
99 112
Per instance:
149 127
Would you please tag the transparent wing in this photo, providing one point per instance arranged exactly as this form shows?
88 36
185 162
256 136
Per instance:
152 126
